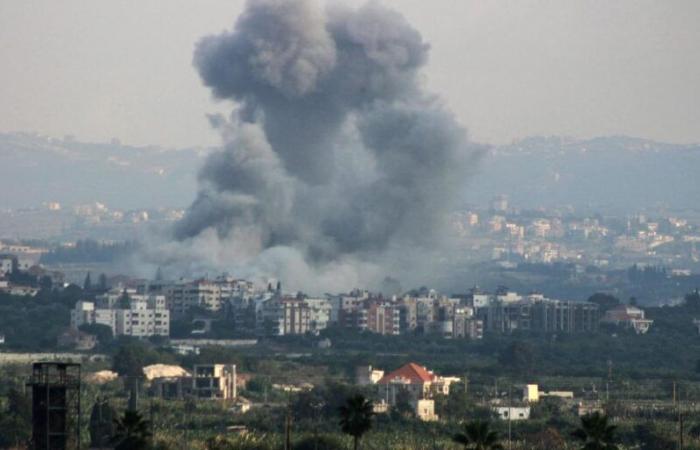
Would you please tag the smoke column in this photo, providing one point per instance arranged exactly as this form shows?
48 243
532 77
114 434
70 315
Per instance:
336 162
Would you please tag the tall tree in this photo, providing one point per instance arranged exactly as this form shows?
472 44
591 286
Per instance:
124 301
102 282
356 417
102 423
132 432
87 284
131 358
478 436
596 433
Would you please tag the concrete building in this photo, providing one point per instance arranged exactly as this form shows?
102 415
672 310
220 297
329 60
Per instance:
506 312
77 340
200 293
319 313
366 375
512 412
133 315
466 325
214 381
418 381
281 316
425 409
531 393
412 382
383 318
629 317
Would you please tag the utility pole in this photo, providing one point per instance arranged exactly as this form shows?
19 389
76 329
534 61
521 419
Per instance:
318 409
680 419
510 415
152 418
607 383
674 393
288 425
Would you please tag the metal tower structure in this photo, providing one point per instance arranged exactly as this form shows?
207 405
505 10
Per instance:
55 406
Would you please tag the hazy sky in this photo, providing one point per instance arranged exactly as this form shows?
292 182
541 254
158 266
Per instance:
509 69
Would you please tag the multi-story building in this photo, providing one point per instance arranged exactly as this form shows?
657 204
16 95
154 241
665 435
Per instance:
507 312
127 315
414 383
383 318
210 295
280 316
341 304
205 294
214 381
355 318
408 314
319 313
466 325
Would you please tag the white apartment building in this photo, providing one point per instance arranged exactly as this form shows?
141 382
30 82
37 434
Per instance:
144 316
320 310
201 293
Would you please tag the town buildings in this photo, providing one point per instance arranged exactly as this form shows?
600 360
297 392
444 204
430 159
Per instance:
127 314
412 384
279 315
506 311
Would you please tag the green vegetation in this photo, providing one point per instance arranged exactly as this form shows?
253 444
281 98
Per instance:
131 432
596 433
478 436
15 419
34 323
356 418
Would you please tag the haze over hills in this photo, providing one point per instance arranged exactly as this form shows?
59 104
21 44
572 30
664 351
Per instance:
36 169
614 174
608 174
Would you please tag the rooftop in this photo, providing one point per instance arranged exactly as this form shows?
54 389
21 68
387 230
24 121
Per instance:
411 372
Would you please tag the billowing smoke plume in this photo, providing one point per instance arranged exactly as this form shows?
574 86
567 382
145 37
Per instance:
336 162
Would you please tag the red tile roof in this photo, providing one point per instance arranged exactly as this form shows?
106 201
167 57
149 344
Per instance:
414 373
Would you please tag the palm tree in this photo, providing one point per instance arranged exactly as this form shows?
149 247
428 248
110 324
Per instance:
356 417
596 433
478 436
132 432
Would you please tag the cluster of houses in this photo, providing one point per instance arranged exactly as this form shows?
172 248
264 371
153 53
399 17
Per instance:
412 383
12 264
417 387
147 309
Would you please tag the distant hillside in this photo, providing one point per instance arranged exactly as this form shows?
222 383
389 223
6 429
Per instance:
618 174
35 169
615 174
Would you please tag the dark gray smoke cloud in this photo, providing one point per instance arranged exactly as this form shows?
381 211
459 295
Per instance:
334 152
